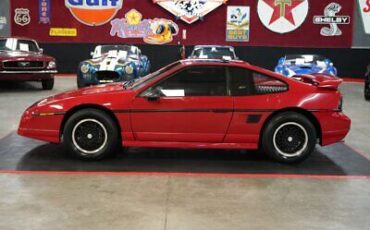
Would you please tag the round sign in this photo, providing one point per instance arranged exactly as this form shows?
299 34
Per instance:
282 16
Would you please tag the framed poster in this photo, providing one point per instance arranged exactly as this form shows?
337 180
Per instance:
238 24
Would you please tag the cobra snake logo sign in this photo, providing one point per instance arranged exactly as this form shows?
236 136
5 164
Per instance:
330 17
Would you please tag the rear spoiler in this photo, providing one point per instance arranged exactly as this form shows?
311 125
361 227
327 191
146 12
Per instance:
320 80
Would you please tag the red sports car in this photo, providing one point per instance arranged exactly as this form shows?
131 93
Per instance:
21 59
195 104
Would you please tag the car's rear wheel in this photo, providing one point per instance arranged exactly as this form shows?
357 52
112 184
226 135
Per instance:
367 92
48 84
91 134
289 138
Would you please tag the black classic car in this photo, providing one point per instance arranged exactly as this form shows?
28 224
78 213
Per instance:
21 59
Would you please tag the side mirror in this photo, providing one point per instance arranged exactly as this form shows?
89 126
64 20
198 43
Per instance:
153 95
41 50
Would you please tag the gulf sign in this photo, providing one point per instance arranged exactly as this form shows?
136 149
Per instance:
94 12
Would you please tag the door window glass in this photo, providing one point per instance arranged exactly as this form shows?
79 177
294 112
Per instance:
198 81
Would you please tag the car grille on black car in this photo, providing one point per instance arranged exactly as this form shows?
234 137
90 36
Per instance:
24 65
107 76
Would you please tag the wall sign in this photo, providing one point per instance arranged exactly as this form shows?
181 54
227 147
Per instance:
22 16
190 10
364 6
4 18
94 12
330 17
132 26
153 31
44 11
282 16
238 22
3 22
63 32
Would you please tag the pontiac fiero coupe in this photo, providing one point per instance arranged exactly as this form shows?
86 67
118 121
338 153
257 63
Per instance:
21 59
195 104
112 63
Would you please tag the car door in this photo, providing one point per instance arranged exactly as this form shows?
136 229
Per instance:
191 105
256 96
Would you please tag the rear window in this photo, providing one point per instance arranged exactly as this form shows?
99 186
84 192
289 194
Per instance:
244 82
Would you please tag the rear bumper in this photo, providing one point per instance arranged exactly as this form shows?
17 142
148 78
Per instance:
27 76
334 127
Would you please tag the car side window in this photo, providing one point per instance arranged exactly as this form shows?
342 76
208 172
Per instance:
265 85
244 82
194 81
241 81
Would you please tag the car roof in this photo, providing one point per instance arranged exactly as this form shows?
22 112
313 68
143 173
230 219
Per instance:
16 37
297 55
211 46
212 61
231 63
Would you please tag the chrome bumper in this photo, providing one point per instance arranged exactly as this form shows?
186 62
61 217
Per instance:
29 72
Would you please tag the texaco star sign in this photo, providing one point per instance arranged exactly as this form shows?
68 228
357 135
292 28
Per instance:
190 10
282 16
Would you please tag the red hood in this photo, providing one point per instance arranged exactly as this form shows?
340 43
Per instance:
19 55
92 90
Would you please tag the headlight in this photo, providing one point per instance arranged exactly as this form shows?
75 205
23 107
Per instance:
52 65
85 68
129 69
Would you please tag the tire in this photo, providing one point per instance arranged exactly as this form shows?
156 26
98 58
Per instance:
48 84
367 93
80 83
289 137
91 134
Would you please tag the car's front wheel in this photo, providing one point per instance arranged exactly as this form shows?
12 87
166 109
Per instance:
80 83
48 84
91 134
289 138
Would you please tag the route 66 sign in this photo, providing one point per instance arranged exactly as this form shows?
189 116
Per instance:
22 16
190 10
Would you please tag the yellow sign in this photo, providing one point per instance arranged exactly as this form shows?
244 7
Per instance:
63 32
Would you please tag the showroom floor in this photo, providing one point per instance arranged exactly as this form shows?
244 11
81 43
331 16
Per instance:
77 200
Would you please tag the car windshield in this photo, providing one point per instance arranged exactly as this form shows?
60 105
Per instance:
140 82
304 60
117 50
214 53
13 44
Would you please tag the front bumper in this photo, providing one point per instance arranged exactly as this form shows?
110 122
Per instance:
44 128
27 75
